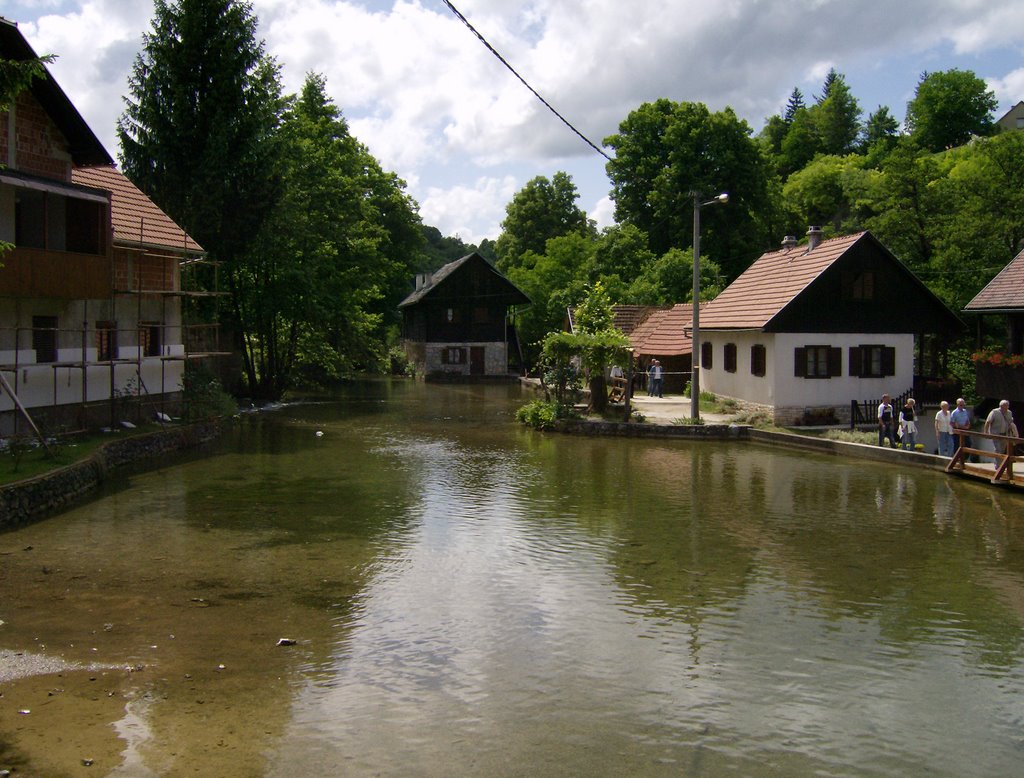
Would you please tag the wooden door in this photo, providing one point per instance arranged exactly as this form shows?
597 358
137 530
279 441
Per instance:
476 360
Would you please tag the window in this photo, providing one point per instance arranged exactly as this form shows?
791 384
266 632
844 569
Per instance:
106 341
729 361
758 360
705 355
869 361
453 356
44 338
818 362
149 338
452 315
859 286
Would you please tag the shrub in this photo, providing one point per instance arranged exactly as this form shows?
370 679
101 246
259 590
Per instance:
852 436
539 414
688 421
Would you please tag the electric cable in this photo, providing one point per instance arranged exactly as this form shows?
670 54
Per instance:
512 70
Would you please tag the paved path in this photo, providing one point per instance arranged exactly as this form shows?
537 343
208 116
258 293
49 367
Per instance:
665 410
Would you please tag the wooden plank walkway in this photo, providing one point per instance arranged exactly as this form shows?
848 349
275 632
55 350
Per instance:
999 470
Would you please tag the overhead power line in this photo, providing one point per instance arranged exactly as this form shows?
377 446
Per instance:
512 70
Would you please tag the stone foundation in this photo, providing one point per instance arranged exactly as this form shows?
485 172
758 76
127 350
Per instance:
37 497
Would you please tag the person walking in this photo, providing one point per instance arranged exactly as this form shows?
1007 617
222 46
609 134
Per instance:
1000 421
650 378
908 425
659 379
885 423
944 430
960 419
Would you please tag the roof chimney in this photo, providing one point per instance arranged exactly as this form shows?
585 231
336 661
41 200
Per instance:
813 238
789 242
421 280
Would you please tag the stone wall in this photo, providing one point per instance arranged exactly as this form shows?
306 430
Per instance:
37 497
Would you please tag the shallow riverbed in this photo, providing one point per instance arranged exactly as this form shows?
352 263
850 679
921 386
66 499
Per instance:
467 597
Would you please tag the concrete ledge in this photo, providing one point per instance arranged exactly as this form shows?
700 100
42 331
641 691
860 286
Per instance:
640 430
843 448
35 498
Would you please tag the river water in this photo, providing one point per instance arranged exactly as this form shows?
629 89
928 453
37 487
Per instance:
468 597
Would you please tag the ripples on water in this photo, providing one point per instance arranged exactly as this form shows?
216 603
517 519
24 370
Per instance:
477 599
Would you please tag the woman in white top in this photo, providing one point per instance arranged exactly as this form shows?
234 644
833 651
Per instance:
944 430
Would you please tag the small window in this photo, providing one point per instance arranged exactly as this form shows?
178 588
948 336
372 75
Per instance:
817 362
729 358
453 356
758 360
106 341
706 352
44 338
870 361
452 315
859 286
149 338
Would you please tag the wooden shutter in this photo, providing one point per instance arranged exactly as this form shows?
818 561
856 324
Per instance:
800 362
856 361
835 362
888 360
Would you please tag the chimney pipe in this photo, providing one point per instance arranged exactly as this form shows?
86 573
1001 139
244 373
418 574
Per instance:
789 242
421 280
813 238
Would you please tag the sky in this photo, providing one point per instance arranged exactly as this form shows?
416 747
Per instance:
436 107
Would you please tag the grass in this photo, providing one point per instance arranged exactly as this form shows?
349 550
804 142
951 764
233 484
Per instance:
24 458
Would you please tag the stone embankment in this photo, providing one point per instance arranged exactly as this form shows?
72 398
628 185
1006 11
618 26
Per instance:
37 497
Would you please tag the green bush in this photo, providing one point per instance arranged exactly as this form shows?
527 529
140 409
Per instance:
203 395
688 421
539 414
852 436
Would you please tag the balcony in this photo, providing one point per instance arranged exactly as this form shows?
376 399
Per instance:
62 274
1000 382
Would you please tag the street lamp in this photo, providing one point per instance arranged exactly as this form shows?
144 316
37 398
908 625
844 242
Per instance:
695 352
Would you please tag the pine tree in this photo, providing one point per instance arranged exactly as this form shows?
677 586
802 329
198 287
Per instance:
196 133
796 102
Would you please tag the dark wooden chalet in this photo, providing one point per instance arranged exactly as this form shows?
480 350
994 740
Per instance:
457 323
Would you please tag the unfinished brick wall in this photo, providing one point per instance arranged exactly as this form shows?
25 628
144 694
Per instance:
156 273
42 150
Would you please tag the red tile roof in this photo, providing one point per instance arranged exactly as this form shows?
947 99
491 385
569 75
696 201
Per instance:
136 218
771 283
663 333
627 318
1004 292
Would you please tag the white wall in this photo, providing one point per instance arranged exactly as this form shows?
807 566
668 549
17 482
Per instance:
780 387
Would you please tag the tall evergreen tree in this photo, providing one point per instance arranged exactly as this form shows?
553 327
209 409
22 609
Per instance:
795 103
197 131
837 116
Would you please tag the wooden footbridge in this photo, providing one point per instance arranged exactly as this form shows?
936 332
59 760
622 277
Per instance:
996 465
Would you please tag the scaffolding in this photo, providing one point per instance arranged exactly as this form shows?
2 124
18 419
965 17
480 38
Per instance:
124 387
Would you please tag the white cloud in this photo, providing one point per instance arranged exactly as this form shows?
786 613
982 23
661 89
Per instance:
422 92
458 210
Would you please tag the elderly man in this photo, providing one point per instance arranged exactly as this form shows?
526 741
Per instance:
1000 421
960 419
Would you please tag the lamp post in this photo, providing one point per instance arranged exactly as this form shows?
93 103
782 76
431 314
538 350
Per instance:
695 352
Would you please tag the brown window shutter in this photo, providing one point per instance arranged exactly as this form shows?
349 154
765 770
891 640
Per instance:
800 362
889 361
856 361
835 362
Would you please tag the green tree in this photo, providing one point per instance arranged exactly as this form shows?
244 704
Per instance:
948 108
837 116
669 280
794 104
819 193
198 133
312 288
541 210
664 152
801 143
881 130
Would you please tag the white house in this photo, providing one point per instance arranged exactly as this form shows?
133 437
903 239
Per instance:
808 329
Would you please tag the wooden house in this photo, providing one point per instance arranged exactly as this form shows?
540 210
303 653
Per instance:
457 323
808 329
90 293
1000 376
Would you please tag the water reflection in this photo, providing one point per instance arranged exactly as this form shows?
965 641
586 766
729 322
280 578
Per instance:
473 598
